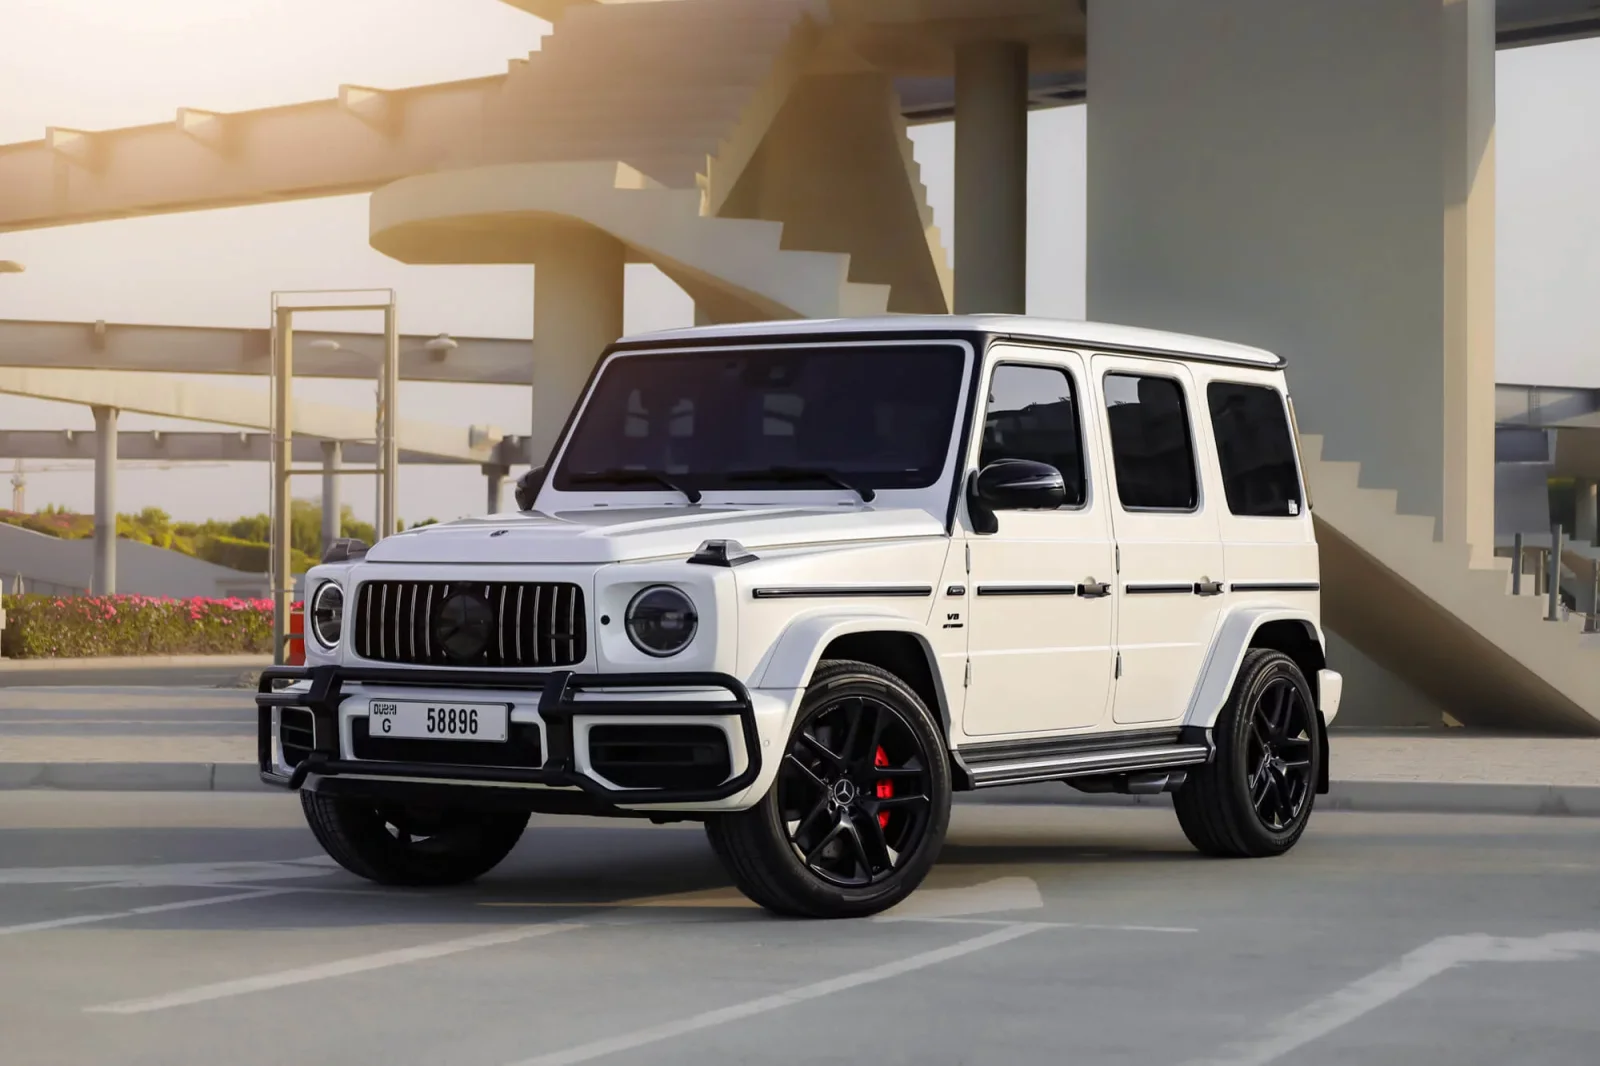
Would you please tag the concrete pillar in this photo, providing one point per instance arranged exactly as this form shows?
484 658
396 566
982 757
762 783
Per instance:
1315 178
577 311
332 502
991 169
1585 528
105 501
496 478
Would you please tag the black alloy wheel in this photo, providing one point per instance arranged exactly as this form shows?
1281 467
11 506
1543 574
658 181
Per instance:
859 808
1278 753
1255 796
854 791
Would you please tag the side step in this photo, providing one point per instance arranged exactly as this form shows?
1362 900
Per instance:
1101 755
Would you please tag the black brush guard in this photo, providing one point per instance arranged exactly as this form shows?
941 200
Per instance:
556 708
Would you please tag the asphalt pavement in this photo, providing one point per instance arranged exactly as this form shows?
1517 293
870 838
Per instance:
183 928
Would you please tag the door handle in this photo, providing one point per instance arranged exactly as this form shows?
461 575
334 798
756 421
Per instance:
1093 589
1203 587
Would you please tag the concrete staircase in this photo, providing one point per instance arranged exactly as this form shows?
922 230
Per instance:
1441 620
736 268
664 87
735 99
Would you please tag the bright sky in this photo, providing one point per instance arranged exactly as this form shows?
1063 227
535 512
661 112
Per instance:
105 63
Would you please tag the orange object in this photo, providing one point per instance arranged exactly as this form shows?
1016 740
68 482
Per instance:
296 651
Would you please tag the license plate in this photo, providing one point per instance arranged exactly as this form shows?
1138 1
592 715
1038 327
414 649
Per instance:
425 720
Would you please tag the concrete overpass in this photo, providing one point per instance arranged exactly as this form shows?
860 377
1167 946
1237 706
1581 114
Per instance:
210 350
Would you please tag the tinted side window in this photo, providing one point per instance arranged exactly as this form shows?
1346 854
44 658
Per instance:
1150 443
1033 414
1255 448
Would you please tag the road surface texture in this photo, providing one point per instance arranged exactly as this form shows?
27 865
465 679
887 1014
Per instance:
177 929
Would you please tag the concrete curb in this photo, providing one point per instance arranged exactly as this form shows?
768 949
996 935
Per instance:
132 662
1421 797
132 776
1436 797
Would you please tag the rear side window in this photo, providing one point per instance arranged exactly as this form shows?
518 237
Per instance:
1150 443
1032 414
1255 448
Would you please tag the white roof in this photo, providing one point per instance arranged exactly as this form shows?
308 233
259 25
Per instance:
1070 332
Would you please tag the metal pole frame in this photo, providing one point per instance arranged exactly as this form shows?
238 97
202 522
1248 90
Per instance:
1554 578
280 547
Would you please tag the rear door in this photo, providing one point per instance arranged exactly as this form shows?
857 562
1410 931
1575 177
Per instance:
1171 568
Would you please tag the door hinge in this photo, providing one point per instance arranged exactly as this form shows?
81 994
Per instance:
1119 665
969 558
966 680
1118 551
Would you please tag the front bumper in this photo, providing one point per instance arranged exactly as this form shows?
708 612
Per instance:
321 691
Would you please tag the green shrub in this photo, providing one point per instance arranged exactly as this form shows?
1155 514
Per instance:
46 627
253 557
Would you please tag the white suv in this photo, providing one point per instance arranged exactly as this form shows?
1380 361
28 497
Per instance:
803 581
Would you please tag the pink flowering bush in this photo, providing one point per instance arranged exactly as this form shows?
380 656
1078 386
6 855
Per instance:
51 627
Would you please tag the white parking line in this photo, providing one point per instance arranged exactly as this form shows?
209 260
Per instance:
158 908
712 1018
323 971
1368 993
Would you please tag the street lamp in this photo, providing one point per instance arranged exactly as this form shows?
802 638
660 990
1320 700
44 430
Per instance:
11 266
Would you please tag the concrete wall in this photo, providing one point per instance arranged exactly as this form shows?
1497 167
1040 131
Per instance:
51 564
1343 217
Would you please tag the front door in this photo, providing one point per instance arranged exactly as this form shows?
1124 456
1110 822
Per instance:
1168 538
1041 610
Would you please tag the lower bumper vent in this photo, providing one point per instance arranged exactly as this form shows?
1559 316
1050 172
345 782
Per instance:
660 756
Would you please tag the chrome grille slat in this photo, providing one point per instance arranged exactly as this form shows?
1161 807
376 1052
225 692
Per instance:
427 625
411 627
572 622
533 628
500 626
533 624
517 637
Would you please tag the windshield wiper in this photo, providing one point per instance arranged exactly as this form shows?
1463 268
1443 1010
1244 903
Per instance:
622 476
803 473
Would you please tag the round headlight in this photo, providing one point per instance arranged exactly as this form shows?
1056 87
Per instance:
327 614
661 621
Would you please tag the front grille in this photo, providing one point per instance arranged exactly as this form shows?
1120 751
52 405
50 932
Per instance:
295 735
508 624
521 748
660 756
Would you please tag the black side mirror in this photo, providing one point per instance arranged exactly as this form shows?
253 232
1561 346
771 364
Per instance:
1013 485
527 489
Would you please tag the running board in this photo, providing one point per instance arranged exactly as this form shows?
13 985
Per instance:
1058 759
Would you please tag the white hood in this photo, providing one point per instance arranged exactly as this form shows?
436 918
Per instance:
606 535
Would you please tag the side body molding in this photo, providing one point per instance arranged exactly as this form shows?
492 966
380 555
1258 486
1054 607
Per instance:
1227 652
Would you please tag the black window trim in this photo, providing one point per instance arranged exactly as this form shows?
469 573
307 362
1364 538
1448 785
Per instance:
1194 439
1294 449
1077 398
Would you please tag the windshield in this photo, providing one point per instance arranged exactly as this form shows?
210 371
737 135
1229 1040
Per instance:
870 417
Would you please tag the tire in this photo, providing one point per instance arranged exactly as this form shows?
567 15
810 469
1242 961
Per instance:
854 820
395 845
1255 797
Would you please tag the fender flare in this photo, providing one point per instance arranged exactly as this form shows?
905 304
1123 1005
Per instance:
1228 648
795 654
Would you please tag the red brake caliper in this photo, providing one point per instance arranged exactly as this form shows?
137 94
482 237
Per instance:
885 788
